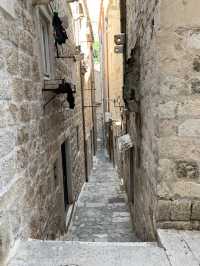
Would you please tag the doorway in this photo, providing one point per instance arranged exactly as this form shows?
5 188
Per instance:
67 174
131 186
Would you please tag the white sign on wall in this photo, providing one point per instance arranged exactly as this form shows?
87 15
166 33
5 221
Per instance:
125 143
8 6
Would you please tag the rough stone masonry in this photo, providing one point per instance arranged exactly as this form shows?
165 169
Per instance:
31 185
163 47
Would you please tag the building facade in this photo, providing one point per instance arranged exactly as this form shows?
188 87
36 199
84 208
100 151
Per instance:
85 39
42 167
162 99
161 95
111 74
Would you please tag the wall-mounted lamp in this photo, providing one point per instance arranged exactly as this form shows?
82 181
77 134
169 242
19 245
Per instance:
119 39
119 49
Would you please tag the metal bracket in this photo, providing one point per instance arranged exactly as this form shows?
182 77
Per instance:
67 57
58 86
118 106
98 105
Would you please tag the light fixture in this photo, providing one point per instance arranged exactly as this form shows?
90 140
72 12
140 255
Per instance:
119 39
119 49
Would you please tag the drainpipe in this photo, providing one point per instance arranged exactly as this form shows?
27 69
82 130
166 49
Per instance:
123 9
107 68
84 131
93 103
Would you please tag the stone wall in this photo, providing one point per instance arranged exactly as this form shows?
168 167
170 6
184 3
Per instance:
142 92
31 193
99 111
179 114
162 93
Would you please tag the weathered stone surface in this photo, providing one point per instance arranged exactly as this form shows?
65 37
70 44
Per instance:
31 137
195 86
181 210
178 45
143 125
182 247
7 142
24 66
196 64
189 107
178 225
26 42
91 254
168 110
196 211
190 128
17 90
7 170
22 135
186 189
187 169
179 148
164 210
12 61
25 113
168 127
102 214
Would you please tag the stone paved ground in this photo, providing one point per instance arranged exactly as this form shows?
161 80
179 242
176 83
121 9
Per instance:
102 214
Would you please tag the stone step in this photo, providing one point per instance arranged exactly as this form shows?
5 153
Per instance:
182 247
61 253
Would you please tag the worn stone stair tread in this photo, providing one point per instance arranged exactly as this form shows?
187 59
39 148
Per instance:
182 247
68 253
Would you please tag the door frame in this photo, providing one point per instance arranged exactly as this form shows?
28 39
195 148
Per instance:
66 155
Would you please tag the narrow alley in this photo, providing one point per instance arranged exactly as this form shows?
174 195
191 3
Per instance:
99 133
102 213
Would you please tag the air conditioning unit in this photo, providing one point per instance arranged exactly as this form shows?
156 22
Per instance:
41 2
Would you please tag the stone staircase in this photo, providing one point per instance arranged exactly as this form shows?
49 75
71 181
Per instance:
63 253
177 248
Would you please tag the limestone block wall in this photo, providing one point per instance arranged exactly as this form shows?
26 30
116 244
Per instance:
31 195
167 184
142 20
179 114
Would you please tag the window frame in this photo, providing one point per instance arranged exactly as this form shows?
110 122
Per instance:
45 46
47 54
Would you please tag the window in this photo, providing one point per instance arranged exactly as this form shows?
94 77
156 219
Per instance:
45 45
